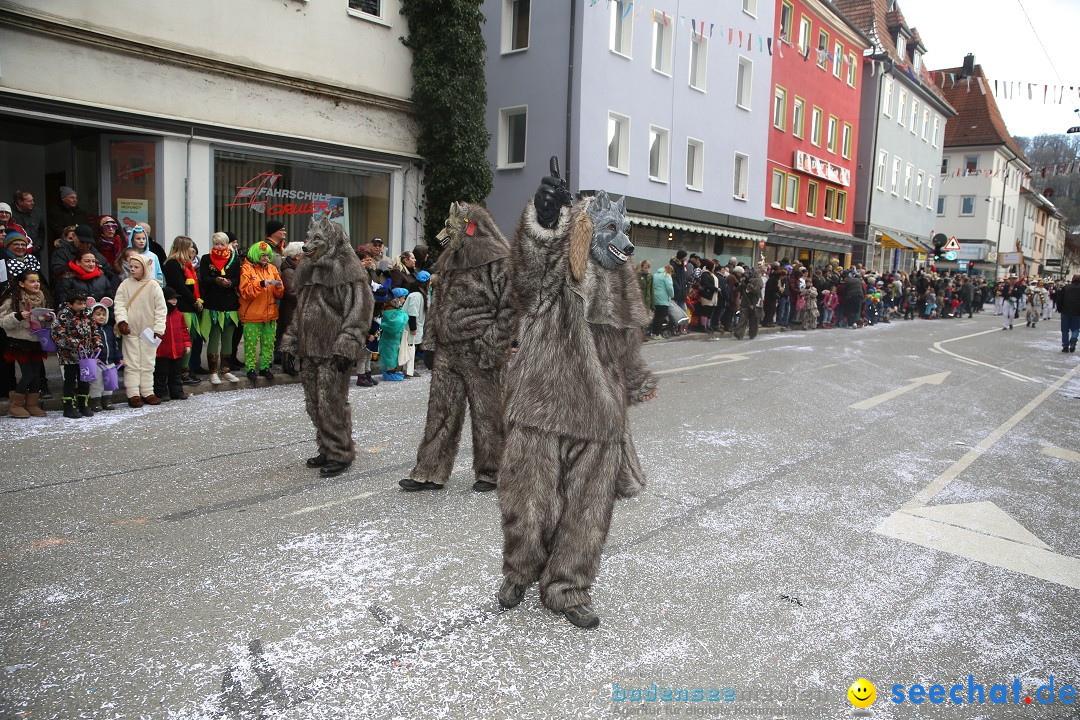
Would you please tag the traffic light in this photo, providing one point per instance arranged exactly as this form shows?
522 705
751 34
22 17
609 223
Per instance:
939 244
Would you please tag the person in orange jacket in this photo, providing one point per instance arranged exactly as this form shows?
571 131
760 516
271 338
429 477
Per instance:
260 290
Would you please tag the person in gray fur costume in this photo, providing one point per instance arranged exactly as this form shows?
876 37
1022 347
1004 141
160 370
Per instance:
470 324
578 368
328 334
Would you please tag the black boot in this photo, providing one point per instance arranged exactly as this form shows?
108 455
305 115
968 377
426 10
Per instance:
84 406
510 595
268 375
582 616
69 408
95 404
371 379
333 467
106 403
410 485
317 462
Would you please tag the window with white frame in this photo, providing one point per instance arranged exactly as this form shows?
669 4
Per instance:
744 82
815 126
373 9
513 131
917 61
971 164
750 7
967 205
831 136
622 28
907 181
944 164
699 58
886 97
941 206
776 195
914 127
804 35
618 138
901 46
811 198
837 59
779 113
918 188
515 25
845 142
937 123
787 15
741 176
901 107
830 203
822 49
695 164
840 215
658 154
926 124
798 116
929 191
882 168
853 65
791 197
894 184
663 32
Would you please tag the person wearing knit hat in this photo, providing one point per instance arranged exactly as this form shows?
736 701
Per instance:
110 241
260 289
277 237
17 255
9 225
66 213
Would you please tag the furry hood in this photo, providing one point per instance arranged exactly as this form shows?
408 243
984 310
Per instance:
612 297
339 265
484 245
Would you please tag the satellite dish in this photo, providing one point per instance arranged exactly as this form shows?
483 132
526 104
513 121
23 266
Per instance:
941 239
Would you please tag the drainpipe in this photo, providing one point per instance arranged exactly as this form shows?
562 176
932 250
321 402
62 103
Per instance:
404 195
567 164
187 186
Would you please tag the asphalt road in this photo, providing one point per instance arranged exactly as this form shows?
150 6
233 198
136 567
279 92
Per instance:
819 511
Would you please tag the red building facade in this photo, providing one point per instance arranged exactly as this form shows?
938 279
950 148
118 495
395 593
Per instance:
812 153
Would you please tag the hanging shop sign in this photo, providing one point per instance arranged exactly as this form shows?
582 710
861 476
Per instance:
822 168
262 195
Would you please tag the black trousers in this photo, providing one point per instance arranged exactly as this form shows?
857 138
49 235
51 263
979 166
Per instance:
31 376
167 372
72 384
659 315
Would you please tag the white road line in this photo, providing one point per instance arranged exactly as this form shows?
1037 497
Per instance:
972 361
342 501
935 379
942 481
1060 453
715 360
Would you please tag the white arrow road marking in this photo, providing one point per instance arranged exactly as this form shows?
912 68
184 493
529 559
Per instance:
982 531
972 361
935 379
1060 453
714 360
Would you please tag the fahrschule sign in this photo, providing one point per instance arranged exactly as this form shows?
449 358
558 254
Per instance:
261 195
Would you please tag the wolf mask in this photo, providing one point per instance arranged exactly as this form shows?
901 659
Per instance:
610 246
469 238
328 256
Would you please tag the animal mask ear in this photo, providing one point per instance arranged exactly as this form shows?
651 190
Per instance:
90 302
621 205
580 241
106 302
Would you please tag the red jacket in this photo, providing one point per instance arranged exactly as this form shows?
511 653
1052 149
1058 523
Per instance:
176 339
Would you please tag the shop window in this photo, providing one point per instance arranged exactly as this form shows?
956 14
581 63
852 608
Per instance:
249 190
132 190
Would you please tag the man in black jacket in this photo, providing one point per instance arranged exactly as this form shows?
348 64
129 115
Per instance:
1068 303
678 278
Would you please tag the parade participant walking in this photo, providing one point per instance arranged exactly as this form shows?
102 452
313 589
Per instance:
569 453
1068 305
470 327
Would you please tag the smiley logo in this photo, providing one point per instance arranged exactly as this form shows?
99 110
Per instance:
862 693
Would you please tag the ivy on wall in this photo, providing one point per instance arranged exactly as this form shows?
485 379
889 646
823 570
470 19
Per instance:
450 95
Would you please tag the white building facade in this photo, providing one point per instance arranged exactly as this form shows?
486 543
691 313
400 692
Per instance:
214 116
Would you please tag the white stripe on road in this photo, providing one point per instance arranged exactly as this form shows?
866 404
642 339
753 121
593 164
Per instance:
1060 453
942 481
342 501
972 361
715 360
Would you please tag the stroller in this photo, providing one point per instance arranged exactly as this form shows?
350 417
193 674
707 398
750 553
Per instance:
677 322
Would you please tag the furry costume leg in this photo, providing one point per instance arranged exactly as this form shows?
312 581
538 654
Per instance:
557 495
484 390
326 397
445 418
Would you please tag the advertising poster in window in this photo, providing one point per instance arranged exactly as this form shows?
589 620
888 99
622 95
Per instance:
132 211
337 209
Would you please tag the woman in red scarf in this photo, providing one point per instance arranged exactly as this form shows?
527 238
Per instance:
84 274
180 276
219 283
110 241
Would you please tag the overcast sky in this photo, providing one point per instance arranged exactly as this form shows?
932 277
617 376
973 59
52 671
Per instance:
1007 47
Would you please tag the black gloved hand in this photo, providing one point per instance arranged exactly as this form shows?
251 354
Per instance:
342 363
288 361
551 197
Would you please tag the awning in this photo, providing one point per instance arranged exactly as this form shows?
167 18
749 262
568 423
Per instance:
813 238
685 226
899 242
